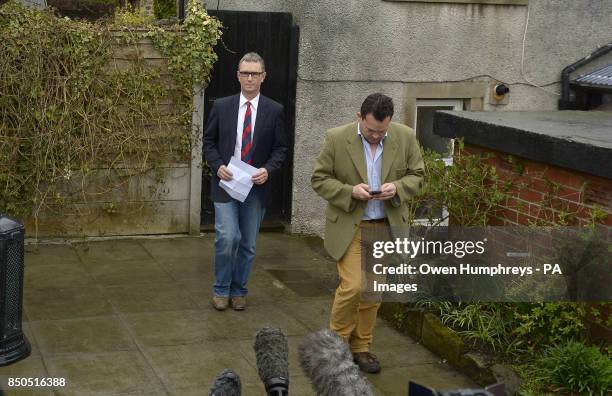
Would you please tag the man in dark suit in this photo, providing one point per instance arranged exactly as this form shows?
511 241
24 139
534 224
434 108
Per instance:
250 127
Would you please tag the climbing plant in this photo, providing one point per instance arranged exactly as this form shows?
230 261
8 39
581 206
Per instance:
82 111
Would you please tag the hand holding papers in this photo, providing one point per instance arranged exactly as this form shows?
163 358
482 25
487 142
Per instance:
241 183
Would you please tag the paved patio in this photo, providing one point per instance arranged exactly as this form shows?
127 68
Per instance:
132 317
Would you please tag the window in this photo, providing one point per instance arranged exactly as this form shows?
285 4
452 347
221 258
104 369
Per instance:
423 125
425 110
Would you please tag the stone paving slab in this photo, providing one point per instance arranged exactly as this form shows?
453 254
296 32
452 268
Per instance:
99 334
133 317
53 303
126 372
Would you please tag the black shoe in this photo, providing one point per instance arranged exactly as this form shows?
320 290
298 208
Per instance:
367 362
226 383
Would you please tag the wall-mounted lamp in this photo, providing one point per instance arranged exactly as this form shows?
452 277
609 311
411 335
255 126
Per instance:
499 94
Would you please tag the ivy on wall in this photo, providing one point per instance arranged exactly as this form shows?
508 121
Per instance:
69 107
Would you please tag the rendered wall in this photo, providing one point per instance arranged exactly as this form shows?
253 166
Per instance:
349 49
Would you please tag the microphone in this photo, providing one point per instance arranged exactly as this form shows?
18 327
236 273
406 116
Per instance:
328 362
415 389
272 355
226 384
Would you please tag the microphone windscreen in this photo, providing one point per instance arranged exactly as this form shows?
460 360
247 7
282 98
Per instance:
328 362
272 354
226 384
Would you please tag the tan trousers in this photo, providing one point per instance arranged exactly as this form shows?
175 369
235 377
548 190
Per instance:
351 317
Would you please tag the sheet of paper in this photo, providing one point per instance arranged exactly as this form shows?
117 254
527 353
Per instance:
241 183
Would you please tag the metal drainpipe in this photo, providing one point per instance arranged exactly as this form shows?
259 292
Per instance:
181 10
564 102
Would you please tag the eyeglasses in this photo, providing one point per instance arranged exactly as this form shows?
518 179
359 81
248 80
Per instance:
250 74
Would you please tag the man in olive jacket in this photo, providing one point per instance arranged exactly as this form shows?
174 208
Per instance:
367 171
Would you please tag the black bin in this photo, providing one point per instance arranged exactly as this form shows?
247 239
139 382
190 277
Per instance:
13 343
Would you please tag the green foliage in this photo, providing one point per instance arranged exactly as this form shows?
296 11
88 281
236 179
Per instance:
86 9
191 53
472 193
131 17
514 330
164 9
545 324
68 110
487 324
468 189
577 368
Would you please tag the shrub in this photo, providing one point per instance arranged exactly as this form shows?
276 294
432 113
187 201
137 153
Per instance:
546 324
577 368
514 330
164 9
85 9
468 189
490 324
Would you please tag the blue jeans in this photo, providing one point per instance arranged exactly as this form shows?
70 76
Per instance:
236 227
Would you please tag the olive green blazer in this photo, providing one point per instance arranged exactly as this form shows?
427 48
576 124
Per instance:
341 165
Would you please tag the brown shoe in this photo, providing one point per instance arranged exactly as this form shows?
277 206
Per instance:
220 303
367 362
238 303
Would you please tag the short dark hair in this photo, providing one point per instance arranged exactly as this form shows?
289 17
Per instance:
379 105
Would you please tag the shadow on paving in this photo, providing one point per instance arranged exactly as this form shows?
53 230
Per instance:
133 317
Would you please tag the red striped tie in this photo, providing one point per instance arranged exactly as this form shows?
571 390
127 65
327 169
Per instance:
247 146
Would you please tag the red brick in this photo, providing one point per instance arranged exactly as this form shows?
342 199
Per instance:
535 210
530 195
576 181
535 168
516 204
495 221
568 205
558 175
599 194
526 220
508 214
558 190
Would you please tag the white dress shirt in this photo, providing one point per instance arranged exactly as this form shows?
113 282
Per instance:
241 112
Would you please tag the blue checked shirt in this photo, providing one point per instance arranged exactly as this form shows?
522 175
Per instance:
375 209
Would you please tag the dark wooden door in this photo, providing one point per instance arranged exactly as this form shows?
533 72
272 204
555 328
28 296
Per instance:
273 36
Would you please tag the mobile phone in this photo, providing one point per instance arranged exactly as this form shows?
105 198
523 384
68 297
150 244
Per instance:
375 192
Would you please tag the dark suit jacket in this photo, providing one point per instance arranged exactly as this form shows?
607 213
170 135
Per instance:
269 142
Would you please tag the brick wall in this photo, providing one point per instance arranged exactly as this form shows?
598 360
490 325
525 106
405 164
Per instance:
544 193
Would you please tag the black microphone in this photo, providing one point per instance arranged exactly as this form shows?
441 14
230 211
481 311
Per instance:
272 355
415 389
328 362
226 384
